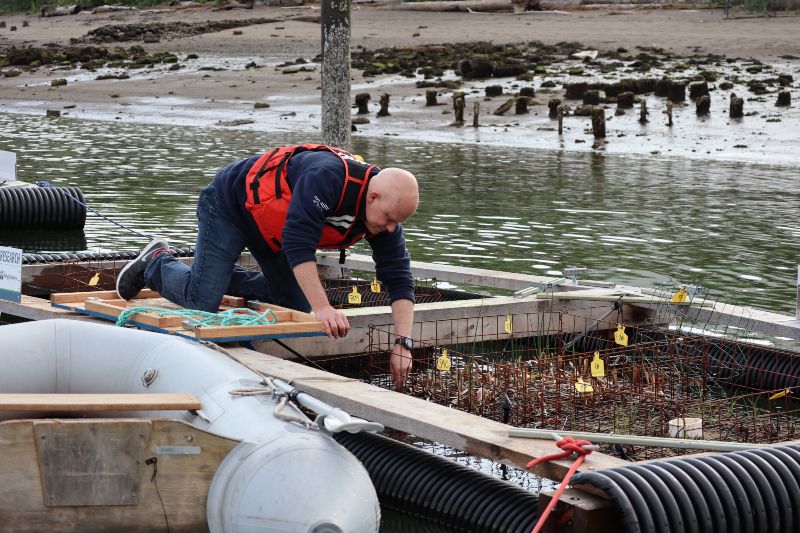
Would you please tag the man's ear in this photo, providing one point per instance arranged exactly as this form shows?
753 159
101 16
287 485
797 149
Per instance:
372 196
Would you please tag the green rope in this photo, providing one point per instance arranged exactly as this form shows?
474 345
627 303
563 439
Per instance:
229 317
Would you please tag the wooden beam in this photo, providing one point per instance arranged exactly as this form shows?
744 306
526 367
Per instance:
34 308
450 273
460 430
98 402
580 512
473 319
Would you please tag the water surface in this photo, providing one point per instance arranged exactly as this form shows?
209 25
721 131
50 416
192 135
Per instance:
643 220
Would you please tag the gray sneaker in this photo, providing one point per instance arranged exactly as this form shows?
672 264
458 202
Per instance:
130 279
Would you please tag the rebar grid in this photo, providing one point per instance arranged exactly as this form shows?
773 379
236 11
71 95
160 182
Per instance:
540 375
340 292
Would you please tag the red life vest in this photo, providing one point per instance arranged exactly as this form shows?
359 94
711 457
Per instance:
269 195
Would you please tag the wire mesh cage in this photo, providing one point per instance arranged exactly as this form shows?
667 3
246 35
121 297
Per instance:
565 371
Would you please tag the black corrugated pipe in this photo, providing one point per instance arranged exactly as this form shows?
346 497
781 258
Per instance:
51 208
420 483
749 491
58 257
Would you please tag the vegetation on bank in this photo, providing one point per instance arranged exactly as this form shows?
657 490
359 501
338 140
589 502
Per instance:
10 7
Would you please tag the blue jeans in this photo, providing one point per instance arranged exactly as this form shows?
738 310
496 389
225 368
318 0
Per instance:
213 272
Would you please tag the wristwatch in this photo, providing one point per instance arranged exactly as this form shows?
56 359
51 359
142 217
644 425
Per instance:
405 342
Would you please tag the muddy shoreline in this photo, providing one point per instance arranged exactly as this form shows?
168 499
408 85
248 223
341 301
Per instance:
257 70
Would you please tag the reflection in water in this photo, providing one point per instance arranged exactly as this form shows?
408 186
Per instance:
44 241
635 220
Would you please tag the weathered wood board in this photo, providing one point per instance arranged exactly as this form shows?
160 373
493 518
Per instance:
63 403
107 305
171 469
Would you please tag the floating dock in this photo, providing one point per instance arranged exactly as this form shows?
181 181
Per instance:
589 305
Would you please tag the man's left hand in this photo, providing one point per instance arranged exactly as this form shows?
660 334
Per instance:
400 365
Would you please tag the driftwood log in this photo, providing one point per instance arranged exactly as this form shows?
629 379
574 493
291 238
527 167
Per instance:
59 11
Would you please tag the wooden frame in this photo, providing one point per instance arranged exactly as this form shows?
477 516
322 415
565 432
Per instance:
108 305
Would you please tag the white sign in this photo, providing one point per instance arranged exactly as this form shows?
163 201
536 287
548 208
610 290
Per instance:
10 274
8 166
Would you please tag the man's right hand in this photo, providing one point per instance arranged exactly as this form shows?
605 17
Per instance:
334 322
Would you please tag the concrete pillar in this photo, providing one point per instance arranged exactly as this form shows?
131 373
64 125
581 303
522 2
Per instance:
335 23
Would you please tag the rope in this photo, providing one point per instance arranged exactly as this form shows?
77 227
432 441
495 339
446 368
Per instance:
229 317
47 184
283 401
577 448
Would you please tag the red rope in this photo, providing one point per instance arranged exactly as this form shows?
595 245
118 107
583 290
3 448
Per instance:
571 447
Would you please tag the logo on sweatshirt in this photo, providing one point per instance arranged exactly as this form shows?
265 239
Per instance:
322 206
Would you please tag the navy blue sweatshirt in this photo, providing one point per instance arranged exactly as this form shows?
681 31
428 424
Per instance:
316 179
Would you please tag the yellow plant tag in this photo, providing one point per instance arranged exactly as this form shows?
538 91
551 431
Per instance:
680 296
375 285
598 366
358 157
778 395
620 337
354 297
583 387
509 325
443 362
95 279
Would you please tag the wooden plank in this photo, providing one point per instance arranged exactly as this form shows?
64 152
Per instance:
149 319
233 301
439 320
450 273
91 464
98 402
451 427
77 297
34 308
172 491
255 331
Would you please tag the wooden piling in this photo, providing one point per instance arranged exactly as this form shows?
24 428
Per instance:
335 71
698 89
529 92
476 112
458 108
625 100
677 91
599 123
737 107
384 110
504 107
669 113
361 101
784 99
430 97
561 112
643 112
574 91
703 105
553 106
494 90
521 106
591 97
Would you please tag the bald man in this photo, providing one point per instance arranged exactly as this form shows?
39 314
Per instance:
283 206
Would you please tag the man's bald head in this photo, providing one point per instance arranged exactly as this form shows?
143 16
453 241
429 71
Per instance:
392 197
